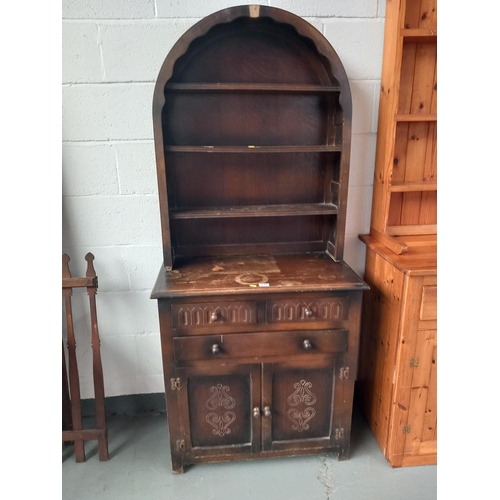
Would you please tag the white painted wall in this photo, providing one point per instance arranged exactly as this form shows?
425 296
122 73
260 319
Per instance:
112 52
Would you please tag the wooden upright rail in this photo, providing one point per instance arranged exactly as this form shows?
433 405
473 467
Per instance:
75 432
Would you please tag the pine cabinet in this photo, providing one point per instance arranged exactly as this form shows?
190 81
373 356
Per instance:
259 314
397 375
397 380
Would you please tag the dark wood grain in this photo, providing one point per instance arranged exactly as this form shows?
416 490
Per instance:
259 314
251 87
254 211
100 408
74 378
227 347
236 85
254 148
218 275
73 431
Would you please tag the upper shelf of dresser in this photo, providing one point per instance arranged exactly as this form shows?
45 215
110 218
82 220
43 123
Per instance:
252 117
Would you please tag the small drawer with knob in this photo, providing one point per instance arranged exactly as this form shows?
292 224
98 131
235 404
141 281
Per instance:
203 317
321 310
231 346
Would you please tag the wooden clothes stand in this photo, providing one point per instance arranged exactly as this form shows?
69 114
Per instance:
73 430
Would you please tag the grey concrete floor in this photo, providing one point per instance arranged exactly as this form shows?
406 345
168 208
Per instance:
139 468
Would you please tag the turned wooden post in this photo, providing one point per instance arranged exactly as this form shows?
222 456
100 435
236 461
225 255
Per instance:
73 431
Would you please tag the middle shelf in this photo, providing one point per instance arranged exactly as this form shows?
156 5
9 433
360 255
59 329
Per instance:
303 209
320 148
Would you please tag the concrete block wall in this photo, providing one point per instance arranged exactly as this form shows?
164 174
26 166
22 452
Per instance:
112 51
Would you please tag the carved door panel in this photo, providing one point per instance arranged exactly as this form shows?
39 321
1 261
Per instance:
297 403
216 409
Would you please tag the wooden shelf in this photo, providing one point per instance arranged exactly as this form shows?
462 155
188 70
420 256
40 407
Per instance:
253 149
289 247
290 105
416 118
250 87
419 35
254 211
413 186
412 229
405 187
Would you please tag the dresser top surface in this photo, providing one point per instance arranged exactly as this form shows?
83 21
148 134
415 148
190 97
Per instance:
243 274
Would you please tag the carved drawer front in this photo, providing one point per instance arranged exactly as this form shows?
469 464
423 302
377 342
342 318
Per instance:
428 307
226 347
295 310
214 314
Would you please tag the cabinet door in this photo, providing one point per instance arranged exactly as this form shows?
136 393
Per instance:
298 405
216 409
413 433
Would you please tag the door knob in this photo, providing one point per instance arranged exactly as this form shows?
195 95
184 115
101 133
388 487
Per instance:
267 412
256 412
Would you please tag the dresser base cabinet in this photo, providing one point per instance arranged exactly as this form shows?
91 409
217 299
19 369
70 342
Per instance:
396 386
254 372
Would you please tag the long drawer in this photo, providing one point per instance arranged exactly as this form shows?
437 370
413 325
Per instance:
220 347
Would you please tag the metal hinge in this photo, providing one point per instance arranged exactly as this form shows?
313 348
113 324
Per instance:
344 373
339 433
175 383
180 445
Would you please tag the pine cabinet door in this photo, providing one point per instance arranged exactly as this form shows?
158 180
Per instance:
216 409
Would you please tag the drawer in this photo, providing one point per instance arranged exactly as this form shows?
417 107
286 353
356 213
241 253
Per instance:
297 310
225 347
214 314
428 306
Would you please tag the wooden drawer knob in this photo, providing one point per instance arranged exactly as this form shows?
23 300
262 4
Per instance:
308 312
214 316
